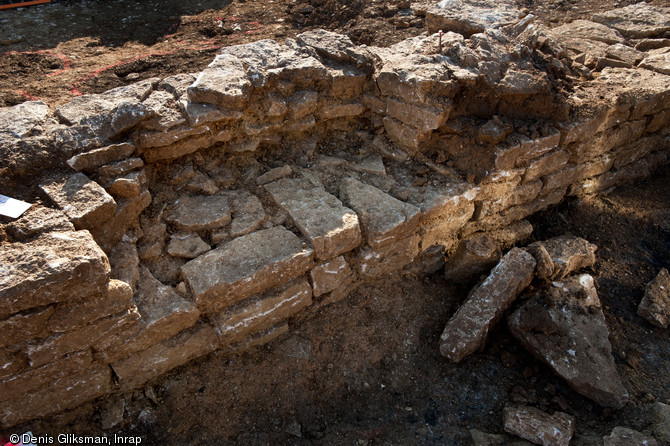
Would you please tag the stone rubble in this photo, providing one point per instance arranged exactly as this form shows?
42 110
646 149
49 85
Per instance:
538 427
622 436
655 304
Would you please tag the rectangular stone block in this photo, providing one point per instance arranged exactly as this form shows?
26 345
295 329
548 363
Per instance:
526 150
639 149
37 220
138 368
56 267
376 262
89 161
546 164
262 312
423 118
590 148
583 128
468 329
330 276
333 111
25 327
127 214
519 195
261 338
444 232
84 201
384 219
331 227
246 266
407 137
224 82
150 140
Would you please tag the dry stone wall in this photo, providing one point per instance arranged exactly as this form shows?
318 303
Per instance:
201 212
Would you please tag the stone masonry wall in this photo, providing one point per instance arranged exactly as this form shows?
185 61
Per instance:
202 212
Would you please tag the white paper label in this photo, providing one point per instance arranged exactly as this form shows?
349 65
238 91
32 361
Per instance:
12 208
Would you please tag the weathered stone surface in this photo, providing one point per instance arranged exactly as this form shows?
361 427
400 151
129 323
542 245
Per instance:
138 368
652 44
565 328
539 427
128 186
337 47
468 17
624 53
657 60
58 395
333 111
246 266
57 266
89 161
248 214
120 168
474 256
263 312
38 220
260 338
72 315
224 82
373 165
330 276
376 262
468 329
655 305
622 436
586 29
25 327
549 163
384 219
21 120
331 228
165 111
275 174
128 115
526 150
127 213
659 416
408 137
637 21
84 201
568 254
480 438
150 140
200 212
422 118
188 246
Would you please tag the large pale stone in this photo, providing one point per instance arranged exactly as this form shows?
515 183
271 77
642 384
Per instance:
384 219
224 82
263 312
188 246
337 47
85 202
657 60
586 29
655 305
246 266
637 21
138 368
37 220
468 17
332 228
200 212
57 266
89 161
568 254
21 120
330 276
468 329
565 328
422 118
541 428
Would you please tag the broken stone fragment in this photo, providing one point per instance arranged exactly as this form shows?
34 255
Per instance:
128 186
564 326
568 254
473 257
655 305
468 17
623 436
38 220
89 161
337 47
202 184
275 174
84 201
25 327
586 29
200 212
468 329
384 219
539 427
224 82
21 120
246 266
188 246
330 276
248 214
331 227
657 60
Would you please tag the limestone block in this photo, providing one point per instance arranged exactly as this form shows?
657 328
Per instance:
21 120
406 136
586 29
224 82
128 114
423 118
333 111
376 262
330 276
25 327
84 201
120 168
657 60
177 84
246 266
200 212
331 228
188 246
658 122
346 82
474 256
275 174
525 150
89 161
636 21
468 17
468 329
549 163
38 220
125 261
127 213
164 314
373 166
568 255
623 436
165 110
605 141
71 315
565 327
303 103
203 114
519 195
138 368
444 231
655 305
539 427
624 53
55 267
260 338
248 214
384 219
150 140
129 185
337 47
59 395
638 149
262 312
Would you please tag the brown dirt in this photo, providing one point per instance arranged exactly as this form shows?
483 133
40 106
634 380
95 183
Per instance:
365 370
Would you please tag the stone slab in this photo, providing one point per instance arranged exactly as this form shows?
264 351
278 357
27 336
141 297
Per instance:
188 246
55 267
84 201
586 29
655 304
392 257
331 228
623 436
246 266
21 120
468 329
248 214
25 327
330 275
89 161
37 220
568 255
539 427
383 219
637 21
468 17
200 212
224 82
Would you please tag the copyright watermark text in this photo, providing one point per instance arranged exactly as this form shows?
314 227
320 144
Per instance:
28 439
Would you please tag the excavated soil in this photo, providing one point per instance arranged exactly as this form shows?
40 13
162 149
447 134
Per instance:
365 370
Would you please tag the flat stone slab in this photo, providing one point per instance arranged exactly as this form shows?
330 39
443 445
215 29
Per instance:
561 256
565 328
224 82
200 212
468 329
37 220
539 427
57 266
655 305
20 120
637 21
330 276
657 60
84 201
469 17
623 436
248 214
188 246
246 266
331 227
89 161
586 29
383 219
